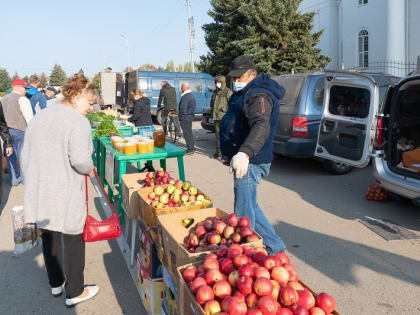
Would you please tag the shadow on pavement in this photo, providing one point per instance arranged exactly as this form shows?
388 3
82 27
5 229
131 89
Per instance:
347 256
340 195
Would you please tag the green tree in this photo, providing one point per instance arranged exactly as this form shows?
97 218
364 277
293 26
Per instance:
180 68
97 81
57 76
170 66
187 67
272 32
43 80
5 80
15 76
81 71
25 78
147 67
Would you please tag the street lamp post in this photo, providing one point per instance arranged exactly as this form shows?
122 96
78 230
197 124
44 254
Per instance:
128 49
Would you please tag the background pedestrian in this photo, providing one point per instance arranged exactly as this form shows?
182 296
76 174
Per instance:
186 116
37 99
167 96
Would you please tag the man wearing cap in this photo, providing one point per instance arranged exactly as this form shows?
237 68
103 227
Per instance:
51 93
246 138
17 113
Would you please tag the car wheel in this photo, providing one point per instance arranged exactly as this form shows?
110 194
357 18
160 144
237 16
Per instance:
159 117
336 168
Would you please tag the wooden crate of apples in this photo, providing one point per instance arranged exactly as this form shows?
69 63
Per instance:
247 281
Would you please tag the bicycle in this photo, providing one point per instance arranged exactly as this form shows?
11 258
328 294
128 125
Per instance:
171 125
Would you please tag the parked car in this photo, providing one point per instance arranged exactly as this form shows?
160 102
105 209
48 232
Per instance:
201 84
385 131
300 116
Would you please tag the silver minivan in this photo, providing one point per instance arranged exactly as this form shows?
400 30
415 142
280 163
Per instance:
355 127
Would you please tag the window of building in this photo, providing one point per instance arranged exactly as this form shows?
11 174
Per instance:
195 84
363 49
362 2
156 83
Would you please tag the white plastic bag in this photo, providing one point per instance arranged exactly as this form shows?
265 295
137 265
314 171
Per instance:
25 235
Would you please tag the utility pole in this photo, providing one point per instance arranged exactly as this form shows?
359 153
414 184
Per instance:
191 34
128 49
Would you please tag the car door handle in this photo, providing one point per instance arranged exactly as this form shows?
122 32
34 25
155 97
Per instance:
327 126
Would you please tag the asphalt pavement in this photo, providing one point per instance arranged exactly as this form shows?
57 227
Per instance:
318 216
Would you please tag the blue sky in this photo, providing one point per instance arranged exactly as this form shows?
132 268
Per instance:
34 35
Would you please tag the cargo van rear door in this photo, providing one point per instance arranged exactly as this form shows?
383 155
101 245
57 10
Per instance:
348 120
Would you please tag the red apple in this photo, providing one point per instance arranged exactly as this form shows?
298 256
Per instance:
246 270
236 237
251 300
269 263
212 276
252 238
237 306
284 311
263 286
244 222
296 285
228 231
178 184
151 195
306 299
239 295
222 252
326 302
211 263
189 273
233 278
222 289
232 220
293 277
276 289
261 272
300 310
316 311
267 305
204 294
200 231
226 303
288 296
150 175
281 275
214 238
240 260
254 311
219 226
246 231
289 267
193 240
211 255
226 266
259 258
244 285
198 282
212 307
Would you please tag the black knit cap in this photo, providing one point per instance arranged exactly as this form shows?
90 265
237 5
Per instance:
240 65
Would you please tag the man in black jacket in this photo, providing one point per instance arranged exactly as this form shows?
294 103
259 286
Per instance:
167 95
186 116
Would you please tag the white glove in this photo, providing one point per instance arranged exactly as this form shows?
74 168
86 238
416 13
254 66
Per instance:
239 163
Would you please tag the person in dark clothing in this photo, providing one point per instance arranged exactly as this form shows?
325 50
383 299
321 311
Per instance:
246 138
7 142
37 99
186 116
167 96
141 111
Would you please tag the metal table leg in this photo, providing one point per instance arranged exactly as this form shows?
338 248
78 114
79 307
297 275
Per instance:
181 170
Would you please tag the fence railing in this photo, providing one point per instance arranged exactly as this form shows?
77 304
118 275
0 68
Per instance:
396 68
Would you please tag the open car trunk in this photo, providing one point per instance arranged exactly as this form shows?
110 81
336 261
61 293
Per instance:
404 127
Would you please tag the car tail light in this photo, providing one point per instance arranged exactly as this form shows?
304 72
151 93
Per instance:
300 127
379 141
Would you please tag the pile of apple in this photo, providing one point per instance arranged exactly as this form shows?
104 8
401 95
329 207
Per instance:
161 177
178 194
214 232
240 280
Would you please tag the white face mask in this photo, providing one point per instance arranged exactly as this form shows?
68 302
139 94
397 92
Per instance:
219 85
237 86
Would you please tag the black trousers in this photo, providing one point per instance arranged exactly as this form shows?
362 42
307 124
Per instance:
56 246
165 113
188 134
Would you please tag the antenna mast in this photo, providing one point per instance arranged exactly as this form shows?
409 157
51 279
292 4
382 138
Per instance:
191 34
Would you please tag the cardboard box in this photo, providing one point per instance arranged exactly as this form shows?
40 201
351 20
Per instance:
187 302
174 233
152 294
130 185
149 260
148 214
170 301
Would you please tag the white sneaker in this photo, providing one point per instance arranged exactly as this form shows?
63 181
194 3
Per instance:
92 291
57 291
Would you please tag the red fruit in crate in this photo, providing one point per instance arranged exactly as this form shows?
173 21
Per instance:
240 260
222 252
254 266
212 276
288 296
246 270
237 247
237 306
232 220
306 298
233 278
203 242
293 276
150 175
228 231
316 311
211 255
223 242
284 311
289 268
269 263
198 282
151 195
212 307
212 247
208 224
179 183
219 226
204 294
296 285
280 275
189 273
165 180
251 300
193 240
252 238
239 295
222 289
261 272
245 285
244 221
226 266
246 231
263 286
214 238
267 305
300 310
276 289
254 311
233 252
236 237
211 263
191 250
259 258
226 303
326 302
250 252
200 231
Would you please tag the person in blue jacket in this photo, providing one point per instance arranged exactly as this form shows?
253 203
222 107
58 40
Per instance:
246 139
36 98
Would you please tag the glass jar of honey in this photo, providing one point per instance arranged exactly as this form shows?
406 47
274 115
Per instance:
159 138
130 148
120 147
142 147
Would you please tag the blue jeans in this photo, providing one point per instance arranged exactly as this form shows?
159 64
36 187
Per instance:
246 205
13 162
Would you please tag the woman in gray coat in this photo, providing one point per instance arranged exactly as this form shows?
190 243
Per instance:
55 158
